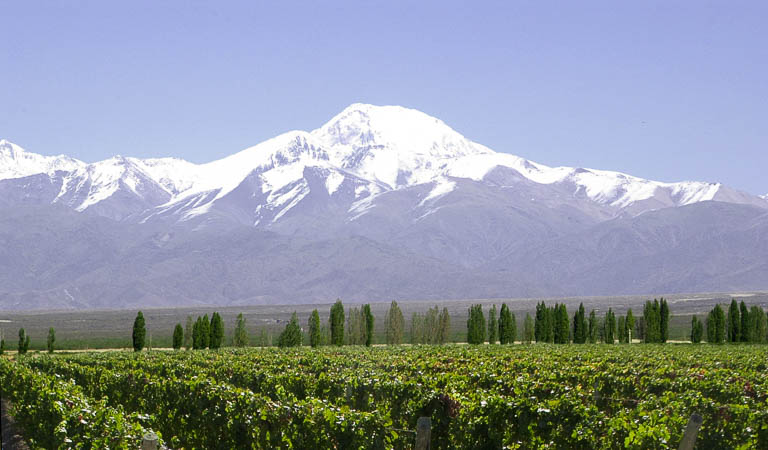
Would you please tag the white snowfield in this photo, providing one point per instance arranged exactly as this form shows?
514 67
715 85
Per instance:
387 147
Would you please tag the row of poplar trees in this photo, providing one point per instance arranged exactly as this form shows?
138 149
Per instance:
553 325
502 329
741 324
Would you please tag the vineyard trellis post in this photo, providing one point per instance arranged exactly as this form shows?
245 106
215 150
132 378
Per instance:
691 430
423 433
150 441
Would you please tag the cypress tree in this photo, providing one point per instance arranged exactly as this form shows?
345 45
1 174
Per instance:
51 340
609 327
505 325
369 319
196 340
178 336
2 346
139 332
528 329
395 324
493 326
337 323
734 322
313 326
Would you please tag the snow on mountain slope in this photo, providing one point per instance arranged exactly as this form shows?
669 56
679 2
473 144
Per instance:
15 162
387 147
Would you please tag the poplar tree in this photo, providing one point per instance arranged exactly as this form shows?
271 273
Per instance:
337 323
580 330
505 325
745 327
369 319
493 326
395 324
291 335
592 327
622 330
609 327
240 337
313 326
664 321
205 332
720 320
476 325
528 329
734 322
696 330
445 326
178 336
630 326
217 331
51 340
188 333
139 332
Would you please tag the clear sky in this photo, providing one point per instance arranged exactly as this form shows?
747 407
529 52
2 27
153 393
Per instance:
667 90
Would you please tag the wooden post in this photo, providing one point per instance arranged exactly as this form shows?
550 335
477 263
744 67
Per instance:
689 438
423 433
150 441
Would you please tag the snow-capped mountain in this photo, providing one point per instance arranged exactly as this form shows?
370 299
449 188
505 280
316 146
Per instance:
380 202
367 149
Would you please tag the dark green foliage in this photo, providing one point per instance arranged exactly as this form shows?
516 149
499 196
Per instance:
395 325
561 324
2 346
757 320
205 332
630 322
609 327
652 322
217 331
546 323
240 338
745 323
291 336
716 332
476 325
337 323
592 325
580 329
664 320
507 326
734 322
622 330
139 332
196 340
23 341
51 341
178 336
493 326
314 328
369 321
697 330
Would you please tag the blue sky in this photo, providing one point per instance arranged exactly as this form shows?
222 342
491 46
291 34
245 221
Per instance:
663 90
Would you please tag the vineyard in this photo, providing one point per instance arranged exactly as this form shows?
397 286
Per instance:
537 396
